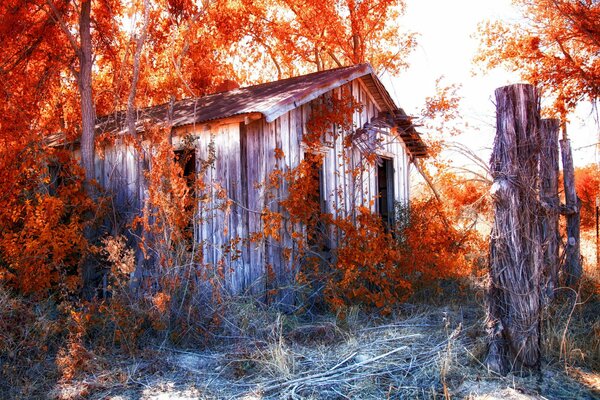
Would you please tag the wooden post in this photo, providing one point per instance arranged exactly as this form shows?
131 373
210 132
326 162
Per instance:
572 266
515 251
549 129
598 232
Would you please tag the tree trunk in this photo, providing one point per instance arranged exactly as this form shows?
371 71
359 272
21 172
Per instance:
88 122
131 120
572 268
515 250
549 129
88 114
130 116
83 51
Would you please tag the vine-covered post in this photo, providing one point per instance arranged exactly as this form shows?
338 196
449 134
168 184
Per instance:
516 257
549 129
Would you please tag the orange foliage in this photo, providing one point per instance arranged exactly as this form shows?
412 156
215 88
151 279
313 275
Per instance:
42 235
555 46
317 35
372 264
368 268
74 358
587 185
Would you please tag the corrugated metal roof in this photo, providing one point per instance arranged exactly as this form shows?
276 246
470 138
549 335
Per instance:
269 99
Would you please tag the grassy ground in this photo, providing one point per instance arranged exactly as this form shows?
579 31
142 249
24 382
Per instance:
431 348
421 352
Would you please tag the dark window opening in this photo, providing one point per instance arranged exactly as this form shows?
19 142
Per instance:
55 178
318 238
385 188
186 159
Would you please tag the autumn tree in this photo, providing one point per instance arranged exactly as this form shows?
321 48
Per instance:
64 63
555 46
299 36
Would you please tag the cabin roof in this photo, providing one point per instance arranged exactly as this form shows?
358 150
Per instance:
272 100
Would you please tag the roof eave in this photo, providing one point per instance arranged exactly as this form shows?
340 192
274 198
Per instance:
296 101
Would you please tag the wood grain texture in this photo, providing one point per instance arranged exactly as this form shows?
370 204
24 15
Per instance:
572 264
516 258
549 129
236 194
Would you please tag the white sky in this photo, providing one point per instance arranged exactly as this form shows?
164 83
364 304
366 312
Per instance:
446 46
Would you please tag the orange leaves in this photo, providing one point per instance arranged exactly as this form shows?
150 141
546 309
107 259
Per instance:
301 202
272 222
319 35
171 202
161 301
555 47
436 249
42 241
279 154
121 259
587 183
368 268
330 116
444 104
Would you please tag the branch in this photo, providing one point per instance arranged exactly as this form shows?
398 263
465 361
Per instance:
434 190
58 18
334 58
139 45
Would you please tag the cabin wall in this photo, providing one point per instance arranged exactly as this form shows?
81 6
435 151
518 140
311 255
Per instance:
230 217
235 161
219 222
343 191
116 169
270 268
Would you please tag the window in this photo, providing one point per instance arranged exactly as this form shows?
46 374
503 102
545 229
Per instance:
385 189
55 180
318 237
186 158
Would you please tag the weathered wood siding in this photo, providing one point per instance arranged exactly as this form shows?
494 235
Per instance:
236 194
342 191
116 168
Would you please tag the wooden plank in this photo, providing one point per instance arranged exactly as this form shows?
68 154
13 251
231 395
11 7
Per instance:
184 130
286 134
246 266
236 215
572 263
549 172
206 212
256 273
371 103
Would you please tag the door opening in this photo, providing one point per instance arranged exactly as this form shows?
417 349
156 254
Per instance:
385 188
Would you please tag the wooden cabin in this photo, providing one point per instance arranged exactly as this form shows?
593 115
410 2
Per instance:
242 128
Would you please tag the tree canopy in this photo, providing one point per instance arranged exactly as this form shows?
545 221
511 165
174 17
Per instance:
556 46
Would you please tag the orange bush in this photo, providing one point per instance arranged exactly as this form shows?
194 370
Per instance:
368 266
42 236
587 185
371 264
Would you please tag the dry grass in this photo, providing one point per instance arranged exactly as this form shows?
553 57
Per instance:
423 351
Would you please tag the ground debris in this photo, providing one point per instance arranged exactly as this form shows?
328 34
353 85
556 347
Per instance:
430 353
